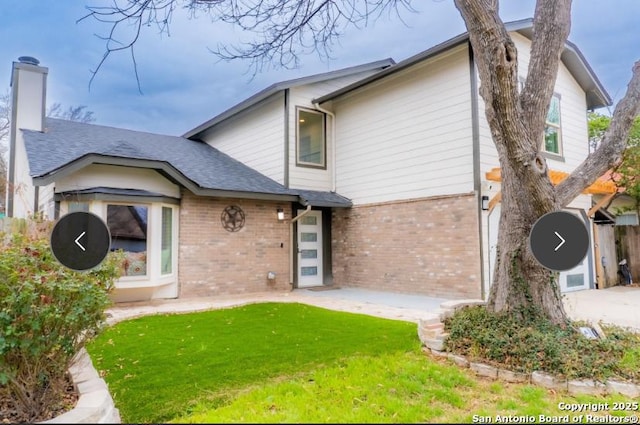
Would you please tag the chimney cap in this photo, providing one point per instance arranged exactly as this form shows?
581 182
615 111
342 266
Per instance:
29 60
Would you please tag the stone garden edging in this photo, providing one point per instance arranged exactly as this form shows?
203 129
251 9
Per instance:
95 405
432 336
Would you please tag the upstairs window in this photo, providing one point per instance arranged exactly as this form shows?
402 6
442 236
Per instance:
552 135
311 141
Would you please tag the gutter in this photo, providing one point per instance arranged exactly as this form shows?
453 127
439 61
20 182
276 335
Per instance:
293 220
333 144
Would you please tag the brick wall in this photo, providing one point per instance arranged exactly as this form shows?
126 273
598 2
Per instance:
427 246
214 261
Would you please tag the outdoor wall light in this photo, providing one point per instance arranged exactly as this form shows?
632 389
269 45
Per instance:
485 202
280 214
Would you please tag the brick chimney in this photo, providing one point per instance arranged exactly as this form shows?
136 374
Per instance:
28 93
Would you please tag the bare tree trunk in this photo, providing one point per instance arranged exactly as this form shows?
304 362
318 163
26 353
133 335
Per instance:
520 286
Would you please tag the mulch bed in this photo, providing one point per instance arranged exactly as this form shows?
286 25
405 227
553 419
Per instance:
9 414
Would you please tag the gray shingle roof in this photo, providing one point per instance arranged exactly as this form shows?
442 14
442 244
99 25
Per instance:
64 142
194 164
322 199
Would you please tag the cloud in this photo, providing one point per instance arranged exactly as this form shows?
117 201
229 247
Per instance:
183 84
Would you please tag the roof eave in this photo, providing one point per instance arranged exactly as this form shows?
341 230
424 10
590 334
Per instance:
573 58
576 63
79 163
275 88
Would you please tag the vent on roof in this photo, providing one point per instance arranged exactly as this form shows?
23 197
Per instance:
29 60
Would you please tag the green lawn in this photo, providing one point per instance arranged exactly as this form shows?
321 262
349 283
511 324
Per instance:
296 363
160 367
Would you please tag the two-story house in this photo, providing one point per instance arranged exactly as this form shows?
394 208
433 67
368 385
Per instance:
382 176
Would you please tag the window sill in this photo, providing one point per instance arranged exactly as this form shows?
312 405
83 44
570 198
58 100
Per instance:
553 156
146 282
310 165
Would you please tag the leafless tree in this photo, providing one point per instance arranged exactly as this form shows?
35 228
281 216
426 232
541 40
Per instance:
5 127
284 29
72 113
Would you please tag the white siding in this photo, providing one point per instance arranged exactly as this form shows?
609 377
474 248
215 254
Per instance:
24 190
255 137
98 175
46 202
409 135
573 118
302 177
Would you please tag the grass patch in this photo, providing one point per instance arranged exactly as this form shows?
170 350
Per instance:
161 367
391 388
502 340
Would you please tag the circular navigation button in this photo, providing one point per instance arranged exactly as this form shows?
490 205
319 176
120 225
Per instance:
559 240
80 240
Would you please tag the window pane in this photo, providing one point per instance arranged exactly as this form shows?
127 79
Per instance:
310 137
309 220
78 206
309 271
128 227
309 237
308 253
167 234
574 280
553 116
551 140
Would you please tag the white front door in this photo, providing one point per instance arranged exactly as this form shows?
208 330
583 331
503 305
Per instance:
570 280
577 278
310 249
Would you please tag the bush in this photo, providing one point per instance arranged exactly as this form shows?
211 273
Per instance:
47 313
537 344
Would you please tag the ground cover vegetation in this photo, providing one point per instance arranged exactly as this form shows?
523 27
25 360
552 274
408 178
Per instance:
537 344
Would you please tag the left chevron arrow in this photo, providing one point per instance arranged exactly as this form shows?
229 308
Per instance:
78 243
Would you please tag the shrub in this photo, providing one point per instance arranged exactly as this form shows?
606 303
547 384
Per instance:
47 313
537 344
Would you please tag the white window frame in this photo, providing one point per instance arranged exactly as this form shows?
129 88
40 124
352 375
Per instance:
323 151
174 240
557 126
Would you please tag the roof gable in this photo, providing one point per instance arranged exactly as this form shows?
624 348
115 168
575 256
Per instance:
573 59
277 87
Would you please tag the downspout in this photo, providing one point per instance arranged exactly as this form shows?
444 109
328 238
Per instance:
293 220
333 144
477 182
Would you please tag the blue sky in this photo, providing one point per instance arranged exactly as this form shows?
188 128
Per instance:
183 84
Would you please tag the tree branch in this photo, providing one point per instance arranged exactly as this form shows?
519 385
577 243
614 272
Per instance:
609 153
284 29
551 26
496 58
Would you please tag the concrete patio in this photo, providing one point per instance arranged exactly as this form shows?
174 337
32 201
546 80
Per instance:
617 305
